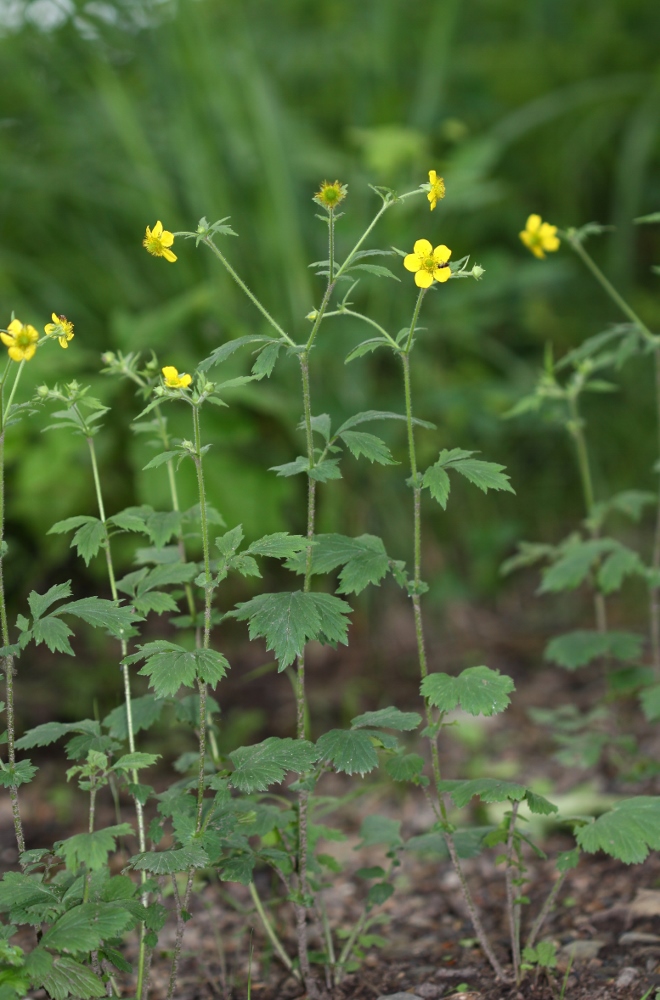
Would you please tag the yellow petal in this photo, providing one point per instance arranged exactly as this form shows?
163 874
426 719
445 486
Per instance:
411 262
63 342
48 329
15 326
55 318
185 380
537 251
423 248
441 254
525 237
533 223
168 255
15 353
29 352
32 333
7 338
158 229
432 176
169 371
166 238
423 279
442 274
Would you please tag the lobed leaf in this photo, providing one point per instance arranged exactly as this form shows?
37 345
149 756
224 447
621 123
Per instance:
83 928
576 649
169 862
144 712
574 564
650 699
478 691
280 545
494 790
91 849
350 751
20 773
66 978
372 447
389 718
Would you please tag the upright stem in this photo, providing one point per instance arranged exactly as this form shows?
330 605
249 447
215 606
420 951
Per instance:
654 592
512 907
8 661
576 429
208 595
421 650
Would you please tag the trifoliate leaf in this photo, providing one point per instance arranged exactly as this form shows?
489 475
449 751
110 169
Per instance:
287 621
87 539
84 927
226 350
485 475
300 464
257 767
68 978
320 424
169 862
20 773
171 667
368 415
369 445
350 751
55 633
91 849
478 690
494 790
407 767
323 471
626 832
144 712
48 732
576 649
211 666
102 614
389 718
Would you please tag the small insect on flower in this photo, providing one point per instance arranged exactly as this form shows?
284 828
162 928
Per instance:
330 195
437 189
21 340
539 237
427 264
62 328
158 241
173 380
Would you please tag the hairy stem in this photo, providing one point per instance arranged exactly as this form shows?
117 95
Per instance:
270 931
544 911
513 909
208 596
654 591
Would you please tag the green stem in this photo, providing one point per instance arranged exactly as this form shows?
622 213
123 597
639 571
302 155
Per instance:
241 284
14 387
544 911
208 595
421 651
345 311
331 245
618 299
654 591
513 909
8 661
270 931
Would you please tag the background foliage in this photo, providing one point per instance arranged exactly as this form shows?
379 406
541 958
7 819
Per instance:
115 114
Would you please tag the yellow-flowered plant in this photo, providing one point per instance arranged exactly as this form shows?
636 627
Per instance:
330 195
173 380
428 264
437 189
21 339
158 241
539 237
62 328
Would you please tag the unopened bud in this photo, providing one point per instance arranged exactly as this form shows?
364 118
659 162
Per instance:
478 271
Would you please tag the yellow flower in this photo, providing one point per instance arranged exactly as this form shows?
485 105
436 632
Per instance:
21 340
539 236
429 265
62 328
157 242
173 380
330 195
437 189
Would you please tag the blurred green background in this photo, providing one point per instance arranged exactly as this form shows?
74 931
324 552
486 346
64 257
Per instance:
114 114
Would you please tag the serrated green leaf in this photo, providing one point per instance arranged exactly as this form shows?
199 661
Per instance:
135 761
350 751
20 891
487 789
144 712
39 603
573 565
257 767
436 480
87 539
169 862
266 359
626 832
367 415
287 621
91 849
364 560
54 632
407 767
84 927
300 464
163 458
117 619
576 649
211 666
155 601
69 524
379 893
372 447
485 475
20 773
66 978
620 563
376 830
566 860
650 699
239 868
478 690
323 471
366 347
377 269
528 554
48 732
131 519
280 545
226 350
389 718
168 666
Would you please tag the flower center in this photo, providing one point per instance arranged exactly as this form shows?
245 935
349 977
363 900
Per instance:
429 264
23 339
